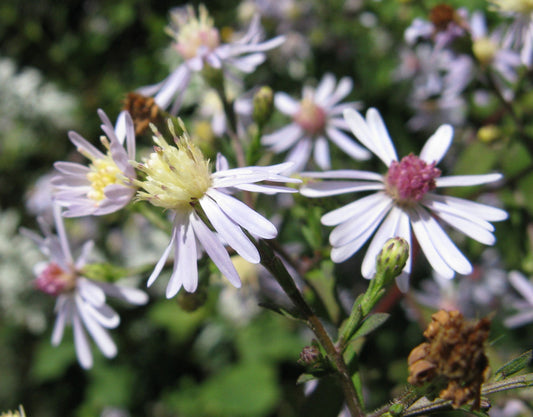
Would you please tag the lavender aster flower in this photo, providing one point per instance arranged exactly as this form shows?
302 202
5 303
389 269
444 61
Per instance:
81 301
404 200
179 179
105 185
198 43
316 118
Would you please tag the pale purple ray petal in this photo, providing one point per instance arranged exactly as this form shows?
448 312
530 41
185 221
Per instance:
467 180
286 104
447 249
161 263
98 333
84 254
104 315
90 292
345 174
300 154
483 211
62 234
345 143
216 251
249 63
437 145
344 87
519 319
355 226
71 168
266 189
353 209
187 258
321 153
222 163
283 138
81 143
429 249
63 311
230 232
172 85
387 230
129 294
244 215
324 189
324 88
522 285
83 350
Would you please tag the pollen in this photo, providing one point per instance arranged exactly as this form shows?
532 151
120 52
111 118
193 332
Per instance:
194 32
176 176
103 172
410 179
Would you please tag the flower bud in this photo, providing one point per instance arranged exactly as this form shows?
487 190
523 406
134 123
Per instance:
489 133
263 105
391 260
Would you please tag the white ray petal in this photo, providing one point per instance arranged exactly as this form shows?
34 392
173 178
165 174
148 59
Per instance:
522 285
284 138
345 174
344 87
426 243
63 307
439 206
83 350
230 232
129 294
90 292
98 333
324 88
321 153
324 189
104 315
482 211
381 136
299 155
437 145
347 144
172 86
353 209
362 132
243 215
161 263
470 229
286 104
467 180
216 251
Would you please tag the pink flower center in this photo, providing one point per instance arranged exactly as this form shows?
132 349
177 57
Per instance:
410 179
310 117
54 280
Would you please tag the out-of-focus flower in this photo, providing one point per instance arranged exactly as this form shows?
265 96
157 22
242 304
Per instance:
17 413
525 306
403 201
490 52
520 34
80 302
198 43
39 200
316 118
105 186
179 179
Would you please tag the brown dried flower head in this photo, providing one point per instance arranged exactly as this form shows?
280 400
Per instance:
143 111
441 16
453 357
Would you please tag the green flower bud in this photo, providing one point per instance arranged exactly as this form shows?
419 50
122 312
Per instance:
391 260
263 102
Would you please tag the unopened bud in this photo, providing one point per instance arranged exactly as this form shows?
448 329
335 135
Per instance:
263 103
391 259
489 133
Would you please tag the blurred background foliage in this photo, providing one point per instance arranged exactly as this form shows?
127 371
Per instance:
62 60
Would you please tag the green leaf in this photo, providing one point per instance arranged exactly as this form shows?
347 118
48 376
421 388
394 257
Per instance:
513 366
370 324
52 362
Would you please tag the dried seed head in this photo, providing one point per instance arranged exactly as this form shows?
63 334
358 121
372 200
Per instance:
453 357
143 111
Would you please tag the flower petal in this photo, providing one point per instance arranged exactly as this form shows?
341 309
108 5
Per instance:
286 104
321 153
161 263
354 209
467 180
83 350
522 285
381 136
437 145
324 189
348 145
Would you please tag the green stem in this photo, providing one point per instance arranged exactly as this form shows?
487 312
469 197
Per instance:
274 265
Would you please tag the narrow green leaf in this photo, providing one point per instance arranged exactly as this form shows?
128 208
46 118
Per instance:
513 366
370 324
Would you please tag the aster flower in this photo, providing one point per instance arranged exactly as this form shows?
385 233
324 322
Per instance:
197 41
105 186
316 118
490 52
520 34
81 301
179 179
404 200
525 306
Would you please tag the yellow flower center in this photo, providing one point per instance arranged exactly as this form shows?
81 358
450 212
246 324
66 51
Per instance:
175 176
103 172
194 32
484 49
519 6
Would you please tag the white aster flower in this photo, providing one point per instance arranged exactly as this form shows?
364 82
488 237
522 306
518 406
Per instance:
198 43
81 301
525 306
179 179
403 201
105 186
315 118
